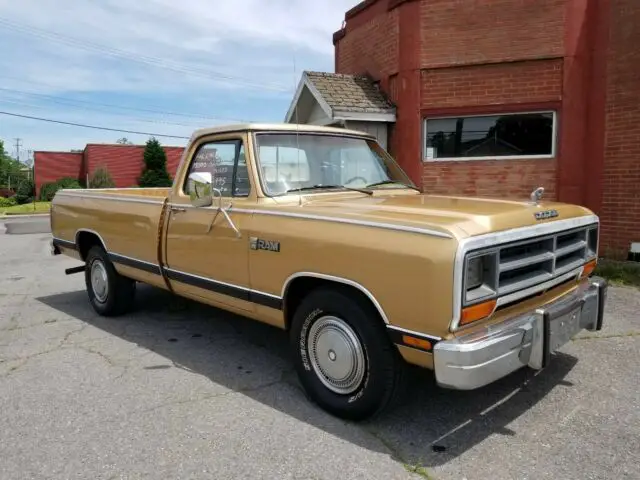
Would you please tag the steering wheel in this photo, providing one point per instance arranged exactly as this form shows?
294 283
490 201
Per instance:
364 180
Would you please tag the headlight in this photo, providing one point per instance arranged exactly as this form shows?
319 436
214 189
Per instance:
475 273
480 277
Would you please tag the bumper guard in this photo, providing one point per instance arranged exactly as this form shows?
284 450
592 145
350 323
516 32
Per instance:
472 361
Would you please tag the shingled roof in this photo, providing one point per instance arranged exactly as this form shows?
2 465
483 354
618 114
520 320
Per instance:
340 94
354 93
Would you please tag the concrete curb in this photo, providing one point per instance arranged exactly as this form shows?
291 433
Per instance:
28 215
19 228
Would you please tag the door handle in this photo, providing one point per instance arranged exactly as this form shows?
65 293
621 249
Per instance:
178 209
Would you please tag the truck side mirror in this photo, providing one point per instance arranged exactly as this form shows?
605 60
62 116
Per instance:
200 191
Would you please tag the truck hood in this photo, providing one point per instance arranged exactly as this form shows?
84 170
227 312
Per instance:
460 216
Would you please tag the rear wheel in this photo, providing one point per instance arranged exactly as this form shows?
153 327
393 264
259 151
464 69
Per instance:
110 293
343 355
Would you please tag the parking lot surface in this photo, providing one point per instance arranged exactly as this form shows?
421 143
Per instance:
179 390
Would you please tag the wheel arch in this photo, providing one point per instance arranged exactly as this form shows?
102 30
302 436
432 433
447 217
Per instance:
298 284
85 239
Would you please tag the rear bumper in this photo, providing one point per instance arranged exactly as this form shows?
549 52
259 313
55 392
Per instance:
477 359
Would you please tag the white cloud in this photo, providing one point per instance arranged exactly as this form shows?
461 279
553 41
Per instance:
217 56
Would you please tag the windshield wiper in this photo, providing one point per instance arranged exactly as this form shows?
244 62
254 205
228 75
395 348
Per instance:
321 186
387 182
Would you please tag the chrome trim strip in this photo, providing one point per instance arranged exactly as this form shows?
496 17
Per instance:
109 197
332 278
362 223
412 332
493 239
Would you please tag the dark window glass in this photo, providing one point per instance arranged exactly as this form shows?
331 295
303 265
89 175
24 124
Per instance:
490 136
226 162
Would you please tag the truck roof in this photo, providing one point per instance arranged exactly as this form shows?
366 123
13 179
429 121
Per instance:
284 127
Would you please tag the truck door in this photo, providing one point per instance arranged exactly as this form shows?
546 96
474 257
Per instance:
207 252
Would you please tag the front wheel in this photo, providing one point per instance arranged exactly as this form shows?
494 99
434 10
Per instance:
343 355
110 293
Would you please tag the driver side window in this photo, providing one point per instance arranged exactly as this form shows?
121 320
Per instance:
225 161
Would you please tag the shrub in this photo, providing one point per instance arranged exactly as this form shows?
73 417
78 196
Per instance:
7 192
48 190
101 179
8 202
155 172
25 191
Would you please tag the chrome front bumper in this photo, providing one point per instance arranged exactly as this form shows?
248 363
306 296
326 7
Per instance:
474 360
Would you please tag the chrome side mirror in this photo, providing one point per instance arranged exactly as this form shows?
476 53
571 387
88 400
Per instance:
200 189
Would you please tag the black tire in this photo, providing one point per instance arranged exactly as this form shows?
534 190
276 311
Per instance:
383 366
120 291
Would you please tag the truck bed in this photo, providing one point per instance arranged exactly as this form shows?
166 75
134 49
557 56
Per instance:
125 219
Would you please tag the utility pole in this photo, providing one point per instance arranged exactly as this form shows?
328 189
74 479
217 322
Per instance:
18 140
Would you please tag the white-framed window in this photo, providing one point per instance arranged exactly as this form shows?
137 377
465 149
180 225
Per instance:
503 136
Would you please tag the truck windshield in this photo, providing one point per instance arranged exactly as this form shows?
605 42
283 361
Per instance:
293 162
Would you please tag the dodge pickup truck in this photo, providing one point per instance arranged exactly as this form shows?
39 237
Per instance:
318 231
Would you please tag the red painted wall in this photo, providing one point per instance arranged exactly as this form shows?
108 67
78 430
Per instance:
52 166
124 162
578 57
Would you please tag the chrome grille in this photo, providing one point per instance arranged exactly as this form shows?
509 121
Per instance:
527 263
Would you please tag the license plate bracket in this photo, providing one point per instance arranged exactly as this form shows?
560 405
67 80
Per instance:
560 325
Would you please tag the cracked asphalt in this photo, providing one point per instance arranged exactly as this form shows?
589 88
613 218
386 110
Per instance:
179 390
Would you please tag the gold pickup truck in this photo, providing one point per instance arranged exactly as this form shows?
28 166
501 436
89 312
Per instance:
319 232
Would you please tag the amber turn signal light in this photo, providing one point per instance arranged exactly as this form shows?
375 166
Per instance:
477 312
417 342
589 267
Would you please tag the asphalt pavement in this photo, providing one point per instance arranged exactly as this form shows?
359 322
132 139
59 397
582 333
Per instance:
179 390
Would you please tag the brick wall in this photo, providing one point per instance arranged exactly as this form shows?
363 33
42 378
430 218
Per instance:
491 178
460 57
534 84
506 83
371 46
621 189
481 31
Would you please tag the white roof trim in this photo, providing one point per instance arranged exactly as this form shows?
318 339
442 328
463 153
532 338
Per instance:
366 116
305 82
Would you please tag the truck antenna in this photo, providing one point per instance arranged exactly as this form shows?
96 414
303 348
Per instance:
295 111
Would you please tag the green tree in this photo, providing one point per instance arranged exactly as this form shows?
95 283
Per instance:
155 173
11 173
101 178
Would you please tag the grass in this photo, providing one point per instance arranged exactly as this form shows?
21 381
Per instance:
26 209
418 470
619 273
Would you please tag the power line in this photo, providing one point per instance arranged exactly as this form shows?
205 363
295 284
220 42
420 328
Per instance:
144 120
149 60
73 102
90 126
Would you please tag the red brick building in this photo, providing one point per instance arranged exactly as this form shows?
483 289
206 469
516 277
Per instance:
496 98
124 163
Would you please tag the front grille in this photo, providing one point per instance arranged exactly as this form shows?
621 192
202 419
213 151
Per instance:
528 263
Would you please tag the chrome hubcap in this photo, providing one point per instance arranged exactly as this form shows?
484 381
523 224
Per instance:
99 283
336 355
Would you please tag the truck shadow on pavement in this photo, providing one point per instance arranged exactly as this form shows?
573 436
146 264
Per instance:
429 427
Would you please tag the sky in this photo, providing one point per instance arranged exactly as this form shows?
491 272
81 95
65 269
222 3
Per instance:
153 66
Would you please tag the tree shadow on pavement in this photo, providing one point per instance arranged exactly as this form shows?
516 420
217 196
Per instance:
429 427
